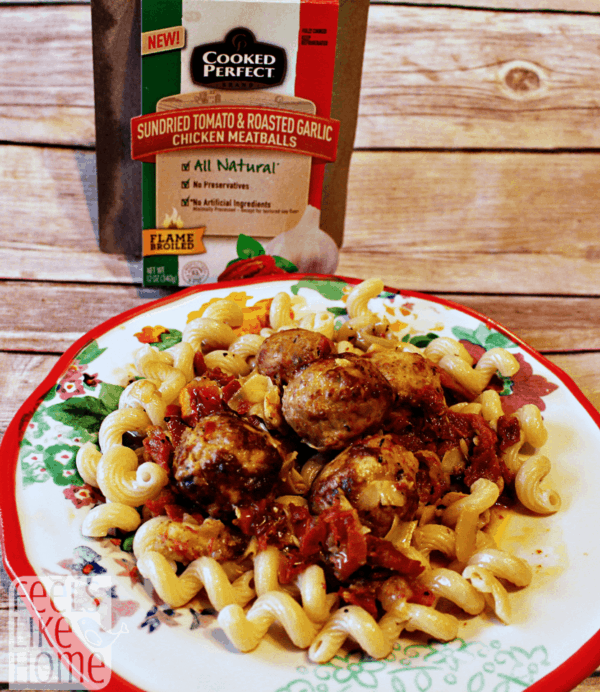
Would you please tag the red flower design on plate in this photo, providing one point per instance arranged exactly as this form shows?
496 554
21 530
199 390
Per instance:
525 387
71 383
82 495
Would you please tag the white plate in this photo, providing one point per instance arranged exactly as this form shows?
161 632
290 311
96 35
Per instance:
552 644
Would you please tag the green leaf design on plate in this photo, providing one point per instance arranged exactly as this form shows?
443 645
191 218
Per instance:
483 336
86 413
473 667
90 353
37 425
32 463
59 461
110 395
329 288
168 339
248 247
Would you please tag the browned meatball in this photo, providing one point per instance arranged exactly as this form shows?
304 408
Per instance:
377 476
283 353
407 373
335 400
224 462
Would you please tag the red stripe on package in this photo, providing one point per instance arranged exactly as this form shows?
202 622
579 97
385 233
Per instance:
315 64
233 126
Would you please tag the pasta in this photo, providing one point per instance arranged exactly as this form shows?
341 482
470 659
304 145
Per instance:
111 515
335 480
119 422
530 491
145 394
204 572
246 630
464 515
122 479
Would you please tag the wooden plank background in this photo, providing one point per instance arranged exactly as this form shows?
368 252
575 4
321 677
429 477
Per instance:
478 128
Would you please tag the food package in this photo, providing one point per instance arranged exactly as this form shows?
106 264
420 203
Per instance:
224 133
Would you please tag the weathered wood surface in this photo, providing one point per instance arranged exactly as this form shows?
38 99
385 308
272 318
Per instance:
587 6
464 78
470 222
438 77
47 80
428 221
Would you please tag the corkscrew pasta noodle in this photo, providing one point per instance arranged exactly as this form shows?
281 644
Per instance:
203 573
530 489
226 311
119 422
112 515
359 297
87 463
144 394
442 548
204 334
122 479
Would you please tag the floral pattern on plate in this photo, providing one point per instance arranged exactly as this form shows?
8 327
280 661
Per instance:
71 412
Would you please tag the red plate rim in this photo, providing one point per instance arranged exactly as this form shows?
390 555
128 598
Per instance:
562 679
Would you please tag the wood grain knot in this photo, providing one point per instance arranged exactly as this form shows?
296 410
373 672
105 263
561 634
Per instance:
522 79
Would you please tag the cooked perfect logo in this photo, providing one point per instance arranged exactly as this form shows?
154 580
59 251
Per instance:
238 62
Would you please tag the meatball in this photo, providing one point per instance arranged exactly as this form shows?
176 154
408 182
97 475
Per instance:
283 353
224 462
407 373
335 400
377 476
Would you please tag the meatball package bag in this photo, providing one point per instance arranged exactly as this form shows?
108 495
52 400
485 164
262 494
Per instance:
224 133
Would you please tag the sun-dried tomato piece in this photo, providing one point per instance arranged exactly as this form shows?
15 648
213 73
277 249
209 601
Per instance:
346 543
198 399
361 593
174 511
174 422
230 389
158 447
158 505
382 553
199 364
508 430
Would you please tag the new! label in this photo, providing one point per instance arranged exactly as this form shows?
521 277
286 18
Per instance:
161 40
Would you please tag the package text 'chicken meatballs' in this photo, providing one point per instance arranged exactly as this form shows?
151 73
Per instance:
244 135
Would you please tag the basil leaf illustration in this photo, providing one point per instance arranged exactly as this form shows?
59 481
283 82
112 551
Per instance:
248 247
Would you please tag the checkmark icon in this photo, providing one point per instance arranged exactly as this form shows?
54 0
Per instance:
185 202
185 183
185 166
